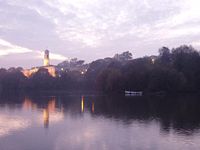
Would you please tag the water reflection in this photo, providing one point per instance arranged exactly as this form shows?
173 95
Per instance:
46 118
82 104
89 103
172 113
93 106
178 113
81 122
49 109
28 105
10 124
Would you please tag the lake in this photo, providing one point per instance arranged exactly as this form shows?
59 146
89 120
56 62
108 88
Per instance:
95 122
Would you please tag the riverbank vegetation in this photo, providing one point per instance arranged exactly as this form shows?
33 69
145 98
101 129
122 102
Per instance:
172 70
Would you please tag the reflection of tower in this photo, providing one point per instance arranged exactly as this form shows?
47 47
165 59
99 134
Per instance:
49 109
46 118
46 58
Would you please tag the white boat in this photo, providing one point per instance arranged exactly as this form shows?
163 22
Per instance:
133 93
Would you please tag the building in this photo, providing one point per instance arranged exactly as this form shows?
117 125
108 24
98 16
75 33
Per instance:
46 61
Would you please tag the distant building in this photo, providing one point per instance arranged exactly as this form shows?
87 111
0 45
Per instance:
65 66
51 69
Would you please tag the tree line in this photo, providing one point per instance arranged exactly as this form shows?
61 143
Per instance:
172 70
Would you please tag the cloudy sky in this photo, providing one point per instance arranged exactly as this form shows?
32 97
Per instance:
91 29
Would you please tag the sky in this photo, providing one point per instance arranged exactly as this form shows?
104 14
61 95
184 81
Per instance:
93 29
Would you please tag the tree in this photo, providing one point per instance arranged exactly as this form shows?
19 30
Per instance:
41 80
165 55
187 61
163 79
11 79
125 56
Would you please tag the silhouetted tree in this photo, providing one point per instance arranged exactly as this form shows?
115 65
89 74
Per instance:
165 55
175 70
125 56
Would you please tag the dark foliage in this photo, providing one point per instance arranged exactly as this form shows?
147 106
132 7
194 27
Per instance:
175 70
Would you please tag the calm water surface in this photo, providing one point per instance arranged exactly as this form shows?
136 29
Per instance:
86 122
